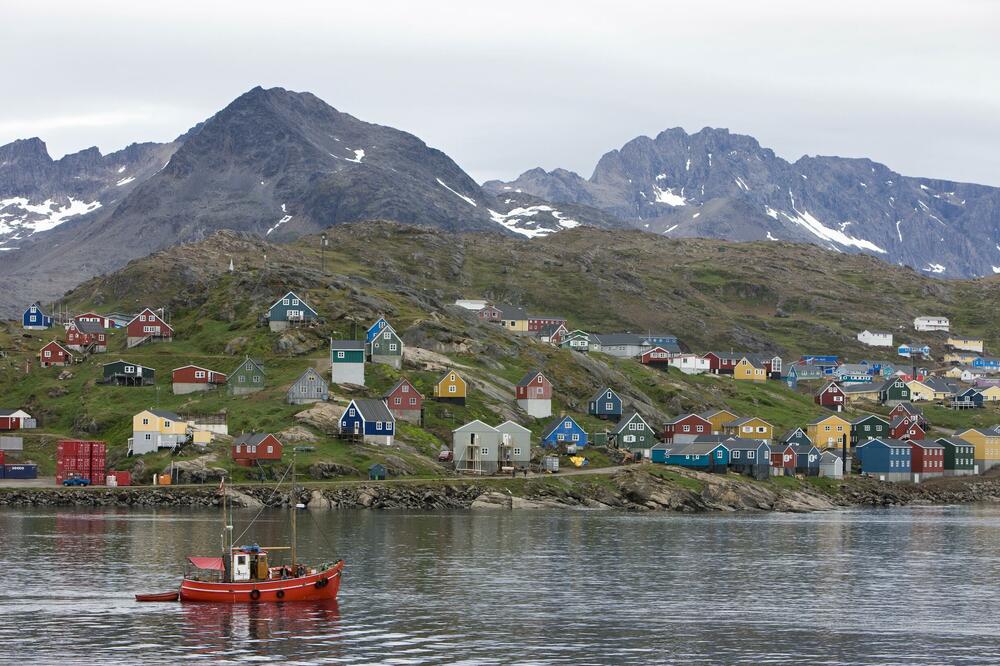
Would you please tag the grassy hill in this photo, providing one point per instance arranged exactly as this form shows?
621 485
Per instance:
779 297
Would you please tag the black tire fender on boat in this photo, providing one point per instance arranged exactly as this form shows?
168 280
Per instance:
280 594
255 594
322 582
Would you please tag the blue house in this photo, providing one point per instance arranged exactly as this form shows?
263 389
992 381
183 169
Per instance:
807 459
368 419
909 351
986 362
749 456
287 310
826 362
705 456
970 398
791 378
796 436
885 459
606 404
563 430
34 319
375 329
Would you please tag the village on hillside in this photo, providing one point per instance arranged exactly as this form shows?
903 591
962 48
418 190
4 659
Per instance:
886 436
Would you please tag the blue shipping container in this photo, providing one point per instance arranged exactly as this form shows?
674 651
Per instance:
21 471
3 469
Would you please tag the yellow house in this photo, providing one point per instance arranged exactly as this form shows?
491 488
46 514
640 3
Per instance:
863 391
829 431
954 372
965 344
750 427
747 371
718 418
513 319
961 357
155 429
987 444
919 391
451 388
991 393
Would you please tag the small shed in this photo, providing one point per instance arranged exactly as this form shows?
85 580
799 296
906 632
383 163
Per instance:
831 465
377 472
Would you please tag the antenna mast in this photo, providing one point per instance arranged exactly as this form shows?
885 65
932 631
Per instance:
295 507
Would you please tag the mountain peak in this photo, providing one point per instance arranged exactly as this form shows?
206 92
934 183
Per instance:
25 149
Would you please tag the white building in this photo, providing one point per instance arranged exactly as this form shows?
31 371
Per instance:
875 338
931 324
470 304
689 364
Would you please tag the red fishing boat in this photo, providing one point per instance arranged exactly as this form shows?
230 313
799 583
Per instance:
246 574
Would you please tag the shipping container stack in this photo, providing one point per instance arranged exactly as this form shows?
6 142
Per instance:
83 458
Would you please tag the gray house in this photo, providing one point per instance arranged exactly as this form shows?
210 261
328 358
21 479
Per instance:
387 347
247 378
831 465
156 429
630 345
475 448
309 387
515 445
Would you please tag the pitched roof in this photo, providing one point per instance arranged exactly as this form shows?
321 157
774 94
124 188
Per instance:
347 344
695 448
745 444
250 361
621 427
742 421
865 417
860 387
852 369
712 412
306 373
529 377
480 425
88 327
164 414
791 433
681 417
910 407
293 294
602 394
372 409
549 329
403 380
554 424
7 412
729 356
252 438
823 417
511 312
802 448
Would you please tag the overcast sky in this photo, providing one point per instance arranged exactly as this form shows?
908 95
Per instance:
504 87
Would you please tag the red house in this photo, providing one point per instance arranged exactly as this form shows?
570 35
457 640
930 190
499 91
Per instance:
537 322
784 458
908 409
722 363
147 325
253 447
927 458
490 313
831 396
191 378
94 318
905 428
54 354
686 428
404 401
534 386
86 335
14 419
655 356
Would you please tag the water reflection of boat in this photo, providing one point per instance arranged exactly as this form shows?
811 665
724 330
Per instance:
210 627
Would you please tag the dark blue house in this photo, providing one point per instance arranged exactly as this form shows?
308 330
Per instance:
375 329
986 362
796 436
705 456
885 459
368 419
749 456
970 398
606 404
563 430
806 459
34 319
289 309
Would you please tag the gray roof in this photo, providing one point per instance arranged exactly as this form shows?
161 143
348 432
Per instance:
88 327
600 395
852 369
529 376
862 419
347 344
163 414
610 339
860 387
693 448
744 444
511 312
372 409
7 412
251 438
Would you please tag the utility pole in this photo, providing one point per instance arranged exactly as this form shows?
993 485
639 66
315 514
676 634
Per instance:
843 443
322 252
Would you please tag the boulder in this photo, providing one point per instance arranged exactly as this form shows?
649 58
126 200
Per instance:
329 470
318 501
296 434
323 416
236 345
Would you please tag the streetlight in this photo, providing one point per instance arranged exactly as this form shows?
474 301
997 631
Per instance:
322 252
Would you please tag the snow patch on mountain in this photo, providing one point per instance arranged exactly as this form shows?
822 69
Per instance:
285 218
805 219
124 181
467 200
934 268
667 196
18 214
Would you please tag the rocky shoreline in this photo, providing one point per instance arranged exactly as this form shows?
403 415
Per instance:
628 489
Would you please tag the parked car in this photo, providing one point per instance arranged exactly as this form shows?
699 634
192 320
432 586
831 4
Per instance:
77 481
445 456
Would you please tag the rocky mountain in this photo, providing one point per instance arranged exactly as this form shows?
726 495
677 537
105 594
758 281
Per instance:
715 184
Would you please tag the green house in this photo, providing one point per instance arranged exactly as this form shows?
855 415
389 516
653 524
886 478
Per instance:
870 426
893 392
959 456
247 378
347 362
289 309
796 437
126 373
634 434
386 347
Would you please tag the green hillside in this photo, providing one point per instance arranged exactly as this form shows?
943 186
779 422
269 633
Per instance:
778 297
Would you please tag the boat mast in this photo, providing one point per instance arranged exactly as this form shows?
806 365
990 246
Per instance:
295 503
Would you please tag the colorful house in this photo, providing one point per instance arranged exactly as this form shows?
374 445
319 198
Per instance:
962 343
893 391
831 465
829 432
805 372
990 393
308 388
256 447
54 354
853 373
534 394
751 457
347 362
606 404
987 363
970 398
404 401
903 427
831 396
451 388
745 370
632 345
869 426
368 419
886 459
722 363
986 442
386 347
655 356
147 326
749 427
289 310
926 459
807 459
783 459
124 373
247 378
104 322
685 429
537 323
16 419
192 378
796 436
718 418
576 340
706 457
380 325
931 324
552 333
689 364
34 319
86 336
563 430
155 429
635 435
959 456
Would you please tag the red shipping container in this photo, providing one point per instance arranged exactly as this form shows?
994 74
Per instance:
1 457
83 449
124 478
66 447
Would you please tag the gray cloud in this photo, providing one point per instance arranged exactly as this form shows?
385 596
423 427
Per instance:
506 87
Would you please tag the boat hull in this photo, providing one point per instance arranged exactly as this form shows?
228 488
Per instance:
314 587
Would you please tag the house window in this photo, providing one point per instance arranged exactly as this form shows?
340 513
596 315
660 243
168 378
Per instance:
517 452
166 424
48 354
141 317
392 346
295 301
761 429
387 335
736 454
718 454
285 301
452 389
145 422
751 454
148 437
397 401
256 379
303 389
350 412
485 451
130 369
340 354
700 428
686 428
560 437
270 448
199 374
576 438
608 406
242 379
567 425
378 425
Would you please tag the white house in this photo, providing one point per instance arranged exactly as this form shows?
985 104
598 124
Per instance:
875 338
471 304
931 324
689 364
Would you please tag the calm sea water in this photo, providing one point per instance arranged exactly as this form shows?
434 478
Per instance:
902 586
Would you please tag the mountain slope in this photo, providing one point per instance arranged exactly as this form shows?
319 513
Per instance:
715 184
